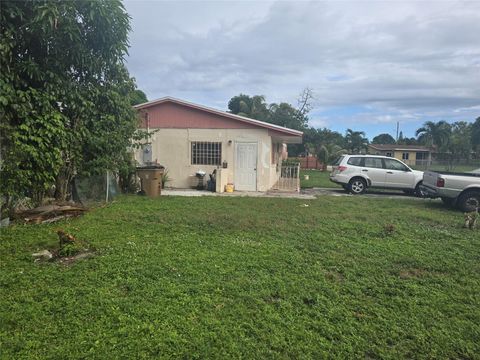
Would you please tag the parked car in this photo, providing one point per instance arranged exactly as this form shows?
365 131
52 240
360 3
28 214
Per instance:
457 189
357 173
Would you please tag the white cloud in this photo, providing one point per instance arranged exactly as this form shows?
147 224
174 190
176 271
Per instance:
404 60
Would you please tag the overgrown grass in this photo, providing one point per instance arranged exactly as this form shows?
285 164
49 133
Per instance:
317 178
345 277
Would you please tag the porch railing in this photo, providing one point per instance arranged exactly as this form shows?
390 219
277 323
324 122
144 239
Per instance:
289 178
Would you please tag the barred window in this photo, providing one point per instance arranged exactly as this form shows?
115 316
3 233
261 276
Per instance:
206 153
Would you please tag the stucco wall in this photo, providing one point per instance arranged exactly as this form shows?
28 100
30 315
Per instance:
412 156
171 148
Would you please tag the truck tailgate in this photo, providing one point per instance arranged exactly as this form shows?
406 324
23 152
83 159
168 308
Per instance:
430 178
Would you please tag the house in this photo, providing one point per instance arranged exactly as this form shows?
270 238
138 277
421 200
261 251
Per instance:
409 154
187 138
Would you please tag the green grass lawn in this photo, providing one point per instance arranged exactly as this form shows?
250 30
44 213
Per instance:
219 277
317 179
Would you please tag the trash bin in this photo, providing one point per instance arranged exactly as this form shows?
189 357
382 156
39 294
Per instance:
151 179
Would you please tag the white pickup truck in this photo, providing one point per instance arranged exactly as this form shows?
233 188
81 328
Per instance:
459 189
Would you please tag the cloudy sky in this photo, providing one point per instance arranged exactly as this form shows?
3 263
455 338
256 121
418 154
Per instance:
369 64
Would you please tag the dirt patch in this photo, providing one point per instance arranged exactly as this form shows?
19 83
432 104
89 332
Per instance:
69 260
273 298
412 273
334 276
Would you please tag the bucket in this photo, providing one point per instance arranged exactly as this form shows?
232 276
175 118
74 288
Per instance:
229 188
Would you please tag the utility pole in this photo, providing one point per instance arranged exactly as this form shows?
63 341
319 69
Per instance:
396 139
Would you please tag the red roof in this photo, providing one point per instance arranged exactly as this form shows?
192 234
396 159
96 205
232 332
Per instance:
262 124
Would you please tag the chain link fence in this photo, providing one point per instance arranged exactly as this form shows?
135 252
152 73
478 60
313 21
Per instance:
95 189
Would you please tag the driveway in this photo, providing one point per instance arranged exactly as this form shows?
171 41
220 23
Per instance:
387 194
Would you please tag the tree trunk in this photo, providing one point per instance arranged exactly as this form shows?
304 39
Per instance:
63 182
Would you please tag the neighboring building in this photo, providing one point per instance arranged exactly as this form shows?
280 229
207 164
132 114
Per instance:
409 154
188 138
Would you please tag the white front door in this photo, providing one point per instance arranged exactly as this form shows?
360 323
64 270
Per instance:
245 166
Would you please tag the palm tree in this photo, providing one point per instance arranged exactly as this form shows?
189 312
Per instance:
327 153
253 107
355 141
434 134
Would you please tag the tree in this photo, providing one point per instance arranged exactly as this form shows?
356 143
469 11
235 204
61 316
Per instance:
65 93
284 114
434 134
475 136
138 97
253 107
304 104
355 141
327 153
460 144
383 139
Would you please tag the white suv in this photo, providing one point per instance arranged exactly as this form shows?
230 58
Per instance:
356 173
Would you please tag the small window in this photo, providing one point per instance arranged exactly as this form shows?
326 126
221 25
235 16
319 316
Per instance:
355 161
395 165
389 154
405 155
372 162
206 153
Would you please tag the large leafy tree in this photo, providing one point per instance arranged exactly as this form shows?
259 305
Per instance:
65 93
383 139
355 141
284 114
434 134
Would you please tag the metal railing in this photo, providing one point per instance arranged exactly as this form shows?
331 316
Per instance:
289 178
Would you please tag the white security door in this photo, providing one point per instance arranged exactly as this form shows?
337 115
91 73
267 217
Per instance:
246 166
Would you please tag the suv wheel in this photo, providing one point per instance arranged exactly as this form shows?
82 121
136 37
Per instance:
469 201
357 186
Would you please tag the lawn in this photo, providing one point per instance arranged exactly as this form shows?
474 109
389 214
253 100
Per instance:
316 179
220 277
